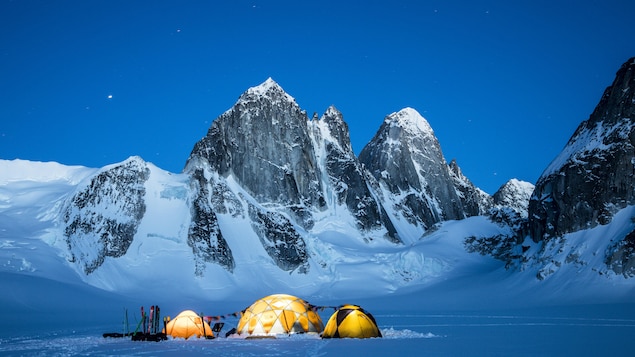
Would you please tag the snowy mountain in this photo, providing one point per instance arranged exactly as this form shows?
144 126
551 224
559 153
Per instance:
514 194
265 161
508 210
406 159
588 184
268 194
102 218
272 200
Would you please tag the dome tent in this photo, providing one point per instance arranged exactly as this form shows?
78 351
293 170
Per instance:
188 324
279 314
351 321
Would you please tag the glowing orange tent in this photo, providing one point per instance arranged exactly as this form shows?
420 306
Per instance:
279 314
188 324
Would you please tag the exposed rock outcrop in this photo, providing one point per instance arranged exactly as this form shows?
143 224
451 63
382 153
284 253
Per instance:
101 219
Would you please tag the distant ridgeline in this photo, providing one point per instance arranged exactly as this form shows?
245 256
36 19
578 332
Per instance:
267 184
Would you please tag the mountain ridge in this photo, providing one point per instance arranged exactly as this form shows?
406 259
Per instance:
273 195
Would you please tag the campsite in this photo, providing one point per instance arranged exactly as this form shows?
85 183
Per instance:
273 316
415 330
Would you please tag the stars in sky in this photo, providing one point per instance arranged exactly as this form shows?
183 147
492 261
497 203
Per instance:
484 86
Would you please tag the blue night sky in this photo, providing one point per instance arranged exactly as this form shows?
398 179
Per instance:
503 84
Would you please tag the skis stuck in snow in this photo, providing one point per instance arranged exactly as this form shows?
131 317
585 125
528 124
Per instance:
148 328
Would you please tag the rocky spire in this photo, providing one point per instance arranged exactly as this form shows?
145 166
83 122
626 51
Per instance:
406 158
263 143
592 177
288 163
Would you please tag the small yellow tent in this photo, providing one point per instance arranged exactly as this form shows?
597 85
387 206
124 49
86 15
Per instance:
279 314
351 321
188 324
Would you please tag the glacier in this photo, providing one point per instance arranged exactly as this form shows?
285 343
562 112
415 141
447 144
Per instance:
429 297
272 201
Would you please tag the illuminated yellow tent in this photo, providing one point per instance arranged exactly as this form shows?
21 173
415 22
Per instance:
188 324
279 314
351 321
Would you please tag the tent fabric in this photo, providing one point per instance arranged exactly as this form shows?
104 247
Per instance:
279 314
188 324
351 321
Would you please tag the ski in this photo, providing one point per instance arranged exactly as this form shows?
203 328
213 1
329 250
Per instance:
150 319
143 320
157 318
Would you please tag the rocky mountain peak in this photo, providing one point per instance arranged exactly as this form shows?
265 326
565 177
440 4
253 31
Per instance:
514 194
618 101
410 121
404 151
335 128
263 142
406 158
607 126
268 89
333 112
592 177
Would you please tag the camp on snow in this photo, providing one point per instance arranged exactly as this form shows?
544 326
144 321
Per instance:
279 314
188 324
271 316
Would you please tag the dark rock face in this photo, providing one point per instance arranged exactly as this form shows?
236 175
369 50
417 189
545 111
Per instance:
264 143
474 201
620 256
281 241
594 175
508 210
288 163
265 162
101 220
291 167
204 235
346 181
501 246
406 158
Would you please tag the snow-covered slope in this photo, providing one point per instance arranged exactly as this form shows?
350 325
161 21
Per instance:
31 195
34 210
272 201
406 159
160 262
285 177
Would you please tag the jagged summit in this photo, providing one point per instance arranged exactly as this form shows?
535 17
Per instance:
595 167
271 199
409 120
406 159
332 111
514 194
263 142
607 127
268 89
590 182
336 128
